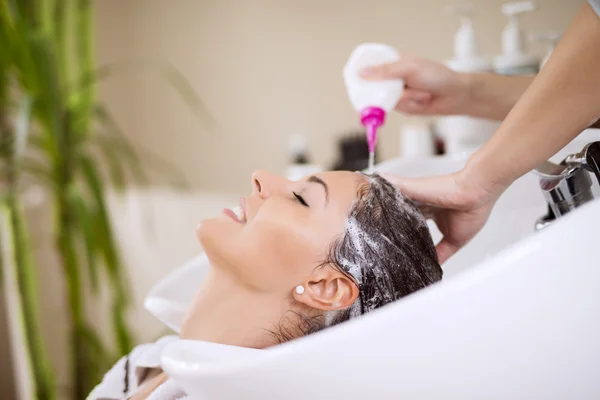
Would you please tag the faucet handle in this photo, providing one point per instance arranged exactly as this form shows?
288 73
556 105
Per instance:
589 157
549 170
567 185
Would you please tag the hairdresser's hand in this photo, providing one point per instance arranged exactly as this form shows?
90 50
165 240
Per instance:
459 206
430 87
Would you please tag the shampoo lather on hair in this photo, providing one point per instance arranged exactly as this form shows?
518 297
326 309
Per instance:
372 99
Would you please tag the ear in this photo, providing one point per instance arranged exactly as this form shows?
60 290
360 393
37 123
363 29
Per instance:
328 289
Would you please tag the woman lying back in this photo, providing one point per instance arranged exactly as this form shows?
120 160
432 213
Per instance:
295 257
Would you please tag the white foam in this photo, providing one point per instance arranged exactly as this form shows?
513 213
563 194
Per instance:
352 268
367 247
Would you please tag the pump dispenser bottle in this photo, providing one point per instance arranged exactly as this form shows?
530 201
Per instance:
372 99
466 49
514 59
461 133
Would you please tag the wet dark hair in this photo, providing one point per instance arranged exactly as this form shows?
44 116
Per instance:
386 248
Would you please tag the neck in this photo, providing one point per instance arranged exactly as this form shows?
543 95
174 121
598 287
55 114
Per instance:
225 313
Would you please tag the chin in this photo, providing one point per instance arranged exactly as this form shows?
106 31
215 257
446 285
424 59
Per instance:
203 230
210 232
219 239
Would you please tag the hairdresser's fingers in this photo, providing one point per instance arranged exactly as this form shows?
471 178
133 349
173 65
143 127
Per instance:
414 107
402 69
436 190
445 250
415 102
417 95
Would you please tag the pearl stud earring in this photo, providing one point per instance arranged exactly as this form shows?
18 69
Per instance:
299 289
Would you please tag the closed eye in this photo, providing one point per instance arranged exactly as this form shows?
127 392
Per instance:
300 199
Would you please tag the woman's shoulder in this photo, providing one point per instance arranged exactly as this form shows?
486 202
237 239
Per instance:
129 372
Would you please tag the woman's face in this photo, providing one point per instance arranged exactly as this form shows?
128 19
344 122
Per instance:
285 230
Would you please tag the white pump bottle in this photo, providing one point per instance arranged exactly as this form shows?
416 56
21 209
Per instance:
466 49
514 59
463 134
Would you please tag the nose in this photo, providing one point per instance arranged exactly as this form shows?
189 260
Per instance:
265 184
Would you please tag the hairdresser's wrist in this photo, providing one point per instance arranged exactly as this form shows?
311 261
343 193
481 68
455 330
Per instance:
478 101
465 103
486 174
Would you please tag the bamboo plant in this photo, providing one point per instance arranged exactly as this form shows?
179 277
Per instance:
47 80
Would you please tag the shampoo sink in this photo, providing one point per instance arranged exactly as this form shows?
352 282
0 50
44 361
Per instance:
522 325
520 320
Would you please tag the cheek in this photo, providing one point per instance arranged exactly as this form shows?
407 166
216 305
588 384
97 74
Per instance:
265 255
276 257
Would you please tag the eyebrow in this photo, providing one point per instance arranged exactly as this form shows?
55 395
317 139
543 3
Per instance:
316 179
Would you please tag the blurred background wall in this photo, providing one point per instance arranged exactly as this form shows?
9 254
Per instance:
266 69
271 68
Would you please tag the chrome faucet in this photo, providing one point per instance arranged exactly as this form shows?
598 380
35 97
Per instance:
568 185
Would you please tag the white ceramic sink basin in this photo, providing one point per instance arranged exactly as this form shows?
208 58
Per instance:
523 325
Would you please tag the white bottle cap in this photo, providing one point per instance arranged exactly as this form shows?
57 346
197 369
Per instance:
518 8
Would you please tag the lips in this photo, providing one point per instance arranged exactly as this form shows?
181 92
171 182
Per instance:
238 213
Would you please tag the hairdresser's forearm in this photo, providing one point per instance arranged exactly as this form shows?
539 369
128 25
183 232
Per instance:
562 101
492 96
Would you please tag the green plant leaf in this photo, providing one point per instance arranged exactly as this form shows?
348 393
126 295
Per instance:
122 331
98 358
94 184
22 129
50 107
111 258
104 232
3 236
124 147
85 219
112 155
84 52
27 286
119 144
173 76
188 94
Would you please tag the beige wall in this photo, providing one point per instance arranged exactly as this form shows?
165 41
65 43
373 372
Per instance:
270 68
